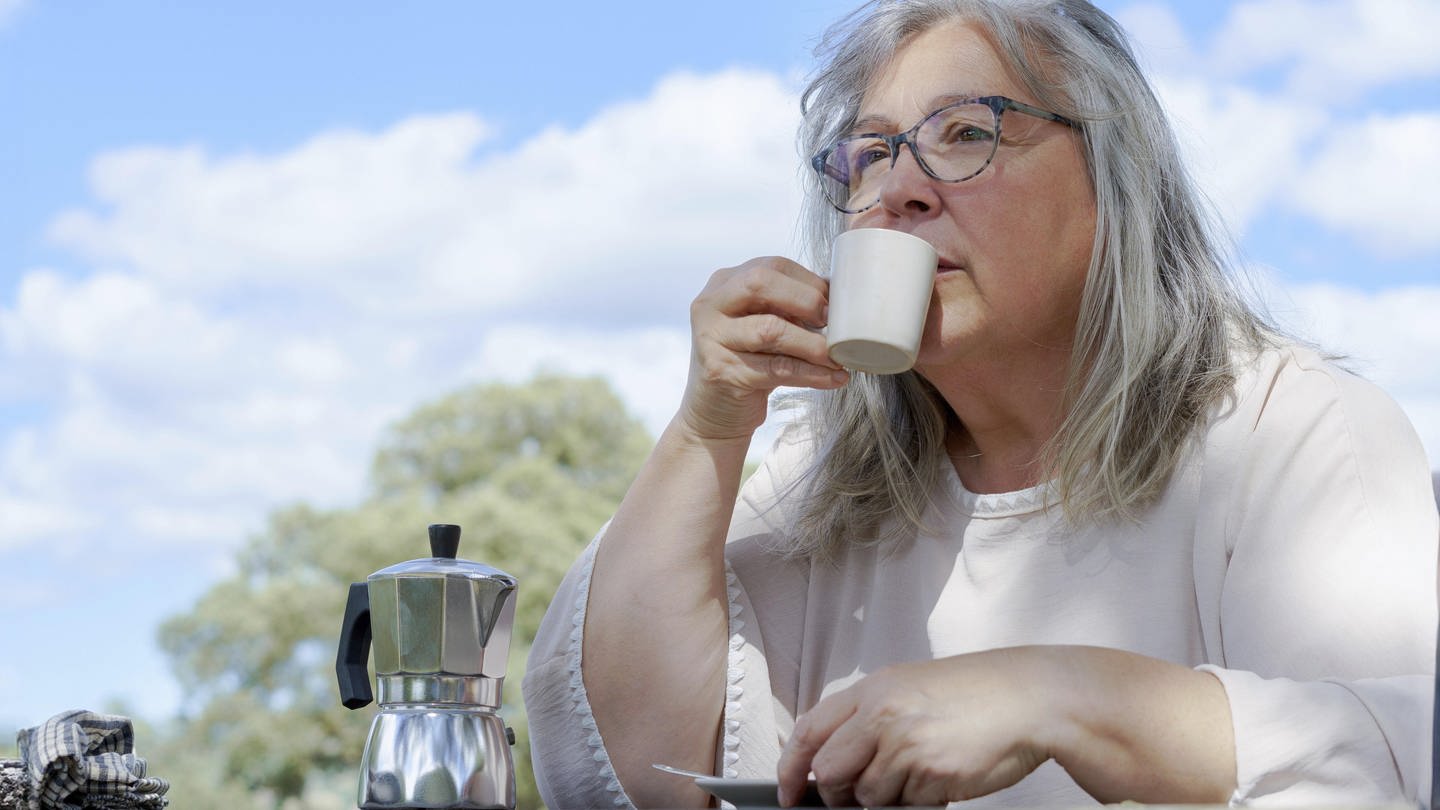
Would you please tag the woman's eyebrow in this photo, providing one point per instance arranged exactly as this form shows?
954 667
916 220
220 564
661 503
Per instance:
879 123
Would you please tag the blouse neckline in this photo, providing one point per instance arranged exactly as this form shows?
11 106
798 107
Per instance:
995 504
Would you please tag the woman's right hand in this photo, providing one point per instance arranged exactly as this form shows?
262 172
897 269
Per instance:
753 329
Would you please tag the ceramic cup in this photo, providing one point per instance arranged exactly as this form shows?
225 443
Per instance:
880 283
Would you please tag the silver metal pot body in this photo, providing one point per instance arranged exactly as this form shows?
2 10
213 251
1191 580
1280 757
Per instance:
437 757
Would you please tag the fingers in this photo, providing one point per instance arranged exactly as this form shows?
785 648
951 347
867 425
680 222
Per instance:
866 763
812 731
769 306
753 330
842 759
925 788
884 783
771 350
767 372
859 760
771 284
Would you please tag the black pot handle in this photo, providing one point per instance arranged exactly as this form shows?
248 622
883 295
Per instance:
353 657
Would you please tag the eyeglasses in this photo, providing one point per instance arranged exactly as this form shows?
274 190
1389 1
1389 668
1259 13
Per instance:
951 144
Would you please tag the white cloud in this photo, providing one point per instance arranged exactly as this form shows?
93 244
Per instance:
410 220
28 517
1378 179
1159 40
1392 335
346 214
113 326
252 321
1243 147
1331 49
1305 143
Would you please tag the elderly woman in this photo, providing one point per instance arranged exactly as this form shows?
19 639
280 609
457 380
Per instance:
1113 538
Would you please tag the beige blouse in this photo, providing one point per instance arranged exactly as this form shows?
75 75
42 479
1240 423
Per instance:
1293 555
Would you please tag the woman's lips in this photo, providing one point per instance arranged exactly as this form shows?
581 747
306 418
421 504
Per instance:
947 267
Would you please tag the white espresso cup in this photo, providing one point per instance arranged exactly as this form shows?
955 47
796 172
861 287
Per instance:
880 283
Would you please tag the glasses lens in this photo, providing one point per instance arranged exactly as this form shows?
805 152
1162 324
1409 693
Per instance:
852 172
958 142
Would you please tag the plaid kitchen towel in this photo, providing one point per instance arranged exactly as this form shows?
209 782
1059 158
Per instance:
79 760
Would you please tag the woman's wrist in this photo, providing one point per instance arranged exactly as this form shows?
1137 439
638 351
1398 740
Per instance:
685 436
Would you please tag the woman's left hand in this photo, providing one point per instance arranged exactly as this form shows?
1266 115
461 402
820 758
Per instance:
923 733
1123 725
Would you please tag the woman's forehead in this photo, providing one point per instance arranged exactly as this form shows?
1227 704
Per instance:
943 64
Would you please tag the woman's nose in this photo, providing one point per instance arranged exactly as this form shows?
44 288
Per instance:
906 188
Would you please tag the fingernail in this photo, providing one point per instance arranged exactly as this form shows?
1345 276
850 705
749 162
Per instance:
782 796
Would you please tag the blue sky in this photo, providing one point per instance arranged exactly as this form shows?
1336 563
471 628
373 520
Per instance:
237 239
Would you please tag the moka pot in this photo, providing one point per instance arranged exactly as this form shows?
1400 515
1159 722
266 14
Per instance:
440 628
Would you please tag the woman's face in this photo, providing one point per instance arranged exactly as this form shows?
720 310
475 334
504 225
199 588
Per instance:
1014 241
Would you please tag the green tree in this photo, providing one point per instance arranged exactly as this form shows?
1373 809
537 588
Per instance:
529 471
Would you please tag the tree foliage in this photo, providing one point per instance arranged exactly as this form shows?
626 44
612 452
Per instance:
529 471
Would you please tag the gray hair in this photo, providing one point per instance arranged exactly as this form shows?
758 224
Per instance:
1159 316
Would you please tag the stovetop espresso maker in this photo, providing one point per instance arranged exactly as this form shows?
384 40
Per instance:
440 628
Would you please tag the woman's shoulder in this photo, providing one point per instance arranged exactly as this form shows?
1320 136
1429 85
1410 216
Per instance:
1290 384
1302 413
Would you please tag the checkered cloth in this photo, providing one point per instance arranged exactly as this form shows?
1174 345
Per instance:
81 760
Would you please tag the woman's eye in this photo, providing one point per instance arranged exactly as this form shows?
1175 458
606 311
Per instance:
866 158
967 133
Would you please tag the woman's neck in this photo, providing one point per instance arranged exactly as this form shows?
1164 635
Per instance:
1001 425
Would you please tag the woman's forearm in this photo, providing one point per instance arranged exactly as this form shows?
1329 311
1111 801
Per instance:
657 619
1133 728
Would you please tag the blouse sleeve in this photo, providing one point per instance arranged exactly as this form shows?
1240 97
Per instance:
1321 531
572 767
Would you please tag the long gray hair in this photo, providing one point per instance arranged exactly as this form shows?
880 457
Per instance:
1159 317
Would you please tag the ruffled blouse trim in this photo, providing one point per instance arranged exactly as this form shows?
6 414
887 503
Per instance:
580 698
734 675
